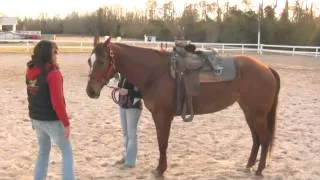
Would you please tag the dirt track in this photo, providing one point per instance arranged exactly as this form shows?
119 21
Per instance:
214 146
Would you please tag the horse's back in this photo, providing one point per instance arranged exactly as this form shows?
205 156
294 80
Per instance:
247 61
255 80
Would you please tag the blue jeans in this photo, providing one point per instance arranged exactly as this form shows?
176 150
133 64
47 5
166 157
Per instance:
48 131
129 124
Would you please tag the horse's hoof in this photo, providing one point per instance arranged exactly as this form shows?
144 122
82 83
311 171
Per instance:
248 170
156 173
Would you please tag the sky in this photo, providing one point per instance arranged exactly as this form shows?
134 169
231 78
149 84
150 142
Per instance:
33 8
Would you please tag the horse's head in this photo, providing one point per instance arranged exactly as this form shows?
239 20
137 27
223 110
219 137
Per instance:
102 67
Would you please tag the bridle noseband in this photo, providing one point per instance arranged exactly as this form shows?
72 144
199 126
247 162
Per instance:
110 71
112 68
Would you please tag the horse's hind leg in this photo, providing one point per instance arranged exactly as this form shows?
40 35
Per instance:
261 127
260 136
263 157
255 140
254 149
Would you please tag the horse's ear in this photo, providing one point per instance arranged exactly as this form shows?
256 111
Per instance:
106 43
96 40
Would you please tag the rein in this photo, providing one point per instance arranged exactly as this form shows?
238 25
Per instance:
112 63
113 95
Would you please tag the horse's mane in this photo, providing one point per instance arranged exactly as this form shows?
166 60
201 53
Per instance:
155 60
145 50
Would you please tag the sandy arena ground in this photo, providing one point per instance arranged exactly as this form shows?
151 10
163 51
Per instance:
214 146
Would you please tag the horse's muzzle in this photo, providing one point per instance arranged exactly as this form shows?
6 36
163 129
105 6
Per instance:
92 94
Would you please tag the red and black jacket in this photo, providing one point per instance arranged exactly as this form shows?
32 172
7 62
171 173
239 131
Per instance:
45 94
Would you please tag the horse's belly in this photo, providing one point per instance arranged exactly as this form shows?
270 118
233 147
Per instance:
214 97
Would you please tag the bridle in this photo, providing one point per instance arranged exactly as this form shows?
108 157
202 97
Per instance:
112 64
112 67
109 73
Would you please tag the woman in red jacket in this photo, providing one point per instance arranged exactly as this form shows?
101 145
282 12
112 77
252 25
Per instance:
47 108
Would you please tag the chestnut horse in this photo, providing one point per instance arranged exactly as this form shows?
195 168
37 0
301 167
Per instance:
256 89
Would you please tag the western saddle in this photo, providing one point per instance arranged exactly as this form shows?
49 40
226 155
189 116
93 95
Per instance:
187 65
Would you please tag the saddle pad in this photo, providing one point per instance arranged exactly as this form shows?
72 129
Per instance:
228 73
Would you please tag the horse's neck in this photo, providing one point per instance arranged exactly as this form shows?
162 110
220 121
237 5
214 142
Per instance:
140 71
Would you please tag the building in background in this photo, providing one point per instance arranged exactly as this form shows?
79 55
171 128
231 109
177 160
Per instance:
149 38
8 30
7 23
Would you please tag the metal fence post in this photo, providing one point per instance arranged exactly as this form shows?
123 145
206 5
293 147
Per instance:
222 48
293 51
242 48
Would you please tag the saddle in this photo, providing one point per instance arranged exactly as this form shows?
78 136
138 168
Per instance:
190 68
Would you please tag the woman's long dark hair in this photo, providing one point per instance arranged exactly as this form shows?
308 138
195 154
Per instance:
42 54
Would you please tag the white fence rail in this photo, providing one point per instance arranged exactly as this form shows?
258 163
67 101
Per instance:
84 46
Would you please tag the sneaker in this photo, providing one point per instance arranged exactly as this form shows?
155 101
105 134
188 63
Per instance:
126 166
121 161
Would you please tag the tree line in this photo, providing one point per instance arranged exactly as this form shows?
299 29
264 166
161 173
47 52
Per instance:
200 22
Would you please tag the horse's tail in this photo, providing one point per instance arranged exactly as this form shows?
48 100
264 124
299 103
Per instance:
272 115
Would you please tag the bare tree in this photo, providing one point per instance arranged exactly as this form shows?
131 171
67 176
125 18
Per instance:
151 9
168 11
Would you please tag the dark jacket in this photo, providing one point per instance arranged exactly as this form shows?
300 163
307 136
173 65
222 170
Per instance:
45 94
133 98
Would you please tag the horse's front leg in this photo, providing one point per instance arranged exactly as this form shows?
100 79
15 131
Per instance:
163 125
